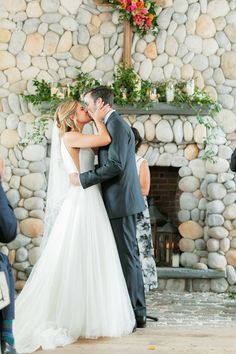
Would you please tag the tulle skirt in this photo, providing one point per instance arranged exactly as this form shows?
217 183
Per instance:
77 288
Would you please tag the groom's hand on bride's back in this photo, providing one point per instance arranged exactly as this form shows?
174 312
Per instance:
74 179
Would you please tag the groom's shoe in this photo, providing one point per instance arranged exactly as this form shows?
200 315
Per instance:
7 348
141 321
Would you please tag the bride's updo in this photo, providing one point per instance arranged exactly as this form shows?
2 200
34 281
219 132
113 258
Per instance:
64 116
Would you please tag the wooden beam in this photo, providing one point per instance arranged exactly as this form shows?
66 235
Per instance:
127 43
161 3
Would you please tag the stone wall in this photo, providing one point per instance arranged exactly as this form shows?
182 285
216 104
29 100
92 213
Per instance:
49 39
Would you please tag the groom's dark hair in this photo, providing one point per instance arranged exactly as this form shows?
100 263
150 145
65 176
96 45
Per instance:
103 92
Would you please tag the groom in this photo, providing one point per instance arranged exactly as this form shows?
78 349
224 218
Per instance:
117 174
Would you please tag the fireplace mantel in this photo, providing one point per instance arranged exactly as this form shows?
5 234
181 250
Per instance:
169 272
163 109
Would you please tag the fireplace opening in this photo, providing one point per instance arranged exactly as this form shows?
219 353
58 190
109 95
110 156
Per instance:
164 206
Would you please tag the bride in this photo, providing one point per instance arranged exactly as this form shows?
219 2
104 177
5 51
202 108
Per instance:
77 288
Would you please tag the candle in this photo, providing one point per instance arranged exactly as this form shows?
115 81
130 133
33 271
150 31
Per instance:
170 93
153 94
172 246
138 88
139 84
175 260
190 87
54 90
68 90
124 94
62 92
167 253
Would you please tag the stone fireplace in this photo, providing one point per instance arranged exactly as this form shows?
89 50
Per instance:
195 195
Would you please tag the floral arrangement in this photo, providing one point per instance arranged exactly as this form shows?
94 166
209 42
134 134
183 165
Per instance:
129 88
54 93
140 13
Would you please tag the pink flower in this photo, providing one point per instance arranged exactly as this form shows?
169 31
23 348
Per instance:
132 8
144 11
149 22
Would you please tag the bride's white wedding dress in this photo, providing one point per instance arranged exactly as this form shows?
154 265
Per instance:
77 288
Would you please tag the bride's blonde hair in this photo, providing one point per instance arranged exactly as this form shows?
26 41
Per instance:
63 116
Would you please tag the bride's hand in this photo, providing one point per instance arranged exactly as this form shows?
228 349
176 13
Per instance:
74 179
101 112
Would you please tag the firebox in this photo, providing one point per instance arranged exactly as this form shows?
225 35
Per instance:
164 207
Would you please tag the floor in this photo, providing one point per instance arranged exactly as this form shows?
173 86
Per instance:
189 323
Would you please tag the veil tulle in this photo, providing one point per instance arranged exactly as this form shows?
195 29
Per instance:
58 185
58 181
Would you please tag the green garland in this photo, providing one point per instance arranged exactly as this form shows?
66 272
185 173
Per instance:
128 89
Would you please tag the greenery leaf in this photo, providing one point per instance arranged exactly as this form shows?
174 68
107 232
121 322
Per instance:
128 89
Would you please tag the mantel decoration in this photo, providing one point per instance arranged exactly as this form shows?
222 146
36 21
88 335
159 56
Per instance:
141 14
129 90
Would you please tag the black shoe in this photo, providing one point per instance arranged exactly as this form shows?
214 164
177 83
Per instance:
141 321
7 348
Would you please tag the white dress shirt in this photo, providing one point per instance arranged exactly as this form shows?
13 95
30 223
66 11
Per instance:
108 115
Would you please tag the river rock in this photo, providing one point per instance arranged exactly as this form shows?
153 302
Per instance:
191 229
31 227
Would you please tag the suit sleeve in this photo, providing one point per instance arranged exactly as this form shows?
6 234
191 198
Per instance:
117 156
233 161
8 223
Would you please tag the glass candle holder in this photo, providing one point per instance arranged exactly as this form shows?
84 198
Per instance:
170 93
139 84
68 91
190 87
153 93
54 89
124 94
62 92
175 260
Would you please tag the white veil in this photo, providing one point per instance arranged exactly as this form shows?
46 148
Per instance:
58 185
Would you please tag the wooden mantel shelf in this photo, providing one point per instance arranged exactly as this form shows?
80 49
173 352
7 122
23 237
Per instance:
161 108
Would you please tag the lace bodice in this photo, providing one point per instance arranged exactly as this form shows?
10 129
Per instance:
86 160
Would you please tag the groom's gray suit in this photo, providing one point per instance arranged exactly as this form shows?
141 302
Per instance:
122 196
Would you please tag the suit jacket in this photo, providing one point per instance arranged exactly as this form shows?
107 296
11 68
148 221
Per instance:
8 223
117 171
233 161
8 312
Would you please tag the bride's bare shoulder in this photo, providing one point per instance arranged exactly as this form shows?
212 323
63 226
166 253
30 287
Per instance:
69 137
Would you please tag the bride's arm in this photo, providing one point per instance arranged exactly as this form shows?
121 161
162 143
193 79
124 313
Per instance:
102 138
